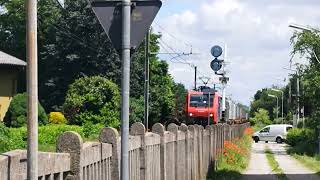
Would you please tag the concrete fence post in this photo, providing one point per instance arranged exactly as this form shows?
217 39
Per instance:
215 134
200 150
111 136
210 146
173 128
208 150
71 142
138 129
193 152
159 129
188 154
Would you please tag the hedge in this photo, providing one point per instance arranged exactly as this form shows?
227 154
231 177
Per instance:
16 138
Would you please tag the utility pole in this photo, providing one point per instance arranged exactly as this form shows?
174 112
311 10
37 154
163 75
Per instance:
273 96
282 93
146 82
298 99
224 82
209 107
126 46
32 90
195 78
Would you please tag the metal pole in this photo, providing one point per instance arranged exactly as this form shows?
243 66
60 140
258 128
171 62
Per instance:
298 99
282 108
125 87
195 78
146 83
224 84
32 89
209 109
277 107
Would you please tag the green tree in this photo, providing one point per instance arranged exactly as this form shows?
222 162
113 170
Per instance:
263 101
307 43
72 45
180 93
93 99
261 117
16 115
136 110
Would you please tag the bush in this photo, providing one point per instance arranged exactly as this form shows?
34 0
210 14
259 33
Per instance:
94 99
16 115
303 141
90 130
57 118
16 138
4 132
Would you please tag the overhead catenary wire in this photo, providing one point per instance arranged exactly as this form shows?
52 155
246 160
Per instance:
170 49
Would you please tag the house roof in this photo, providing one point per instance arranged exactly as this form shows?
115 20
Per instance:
6 59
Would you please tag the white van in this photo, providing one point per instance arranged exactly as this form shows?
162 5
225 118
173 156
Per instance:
273 133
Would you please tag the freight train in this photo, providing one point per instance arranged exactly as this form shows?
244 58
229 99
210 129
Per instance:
199 110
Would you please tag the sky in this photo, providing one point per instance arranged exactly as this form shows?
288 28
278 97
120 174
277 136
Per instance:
255 32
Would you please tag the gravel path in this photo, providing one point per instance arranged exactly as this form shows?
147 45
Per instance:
259 168
293 169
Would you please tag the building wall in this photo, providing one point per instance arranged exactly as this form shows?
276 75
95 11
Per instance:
8 88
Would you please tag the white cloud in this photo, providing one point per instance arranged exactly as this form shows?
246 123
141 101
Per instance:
256 32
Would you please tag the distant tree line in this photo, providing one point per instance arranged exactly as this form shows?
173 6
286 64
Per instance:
306 44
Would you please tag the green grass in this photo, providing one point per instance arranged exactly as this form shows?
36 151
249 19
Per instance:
275 165
233 171
312 163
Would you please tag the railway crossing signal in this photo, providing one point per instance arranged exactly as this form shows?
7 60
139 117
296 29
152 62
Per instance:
109 14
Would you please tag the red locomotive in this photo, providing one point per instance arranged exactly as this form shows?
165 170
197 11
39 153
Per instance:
200 110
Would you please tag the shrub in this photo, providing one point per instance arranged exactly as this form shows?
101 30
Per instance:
49 134
16 138
91 130
303 141
94 99
57 118
17 112
4 132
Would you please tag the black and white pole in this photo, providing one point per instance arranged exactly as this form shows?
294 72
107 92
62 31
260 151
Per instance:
125 87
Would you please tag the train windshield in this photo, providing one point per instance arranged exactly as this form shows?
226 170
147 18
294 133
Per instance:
201 100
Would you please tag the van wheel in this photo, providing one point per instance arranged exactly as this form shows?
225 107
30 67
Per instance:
256 139
279 140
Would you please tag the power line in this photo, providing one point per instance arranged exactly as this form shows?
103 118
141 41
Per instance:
171 35
184 61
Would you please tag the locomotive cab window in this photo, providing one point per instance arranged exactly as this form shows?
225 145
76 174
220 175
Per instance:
201 100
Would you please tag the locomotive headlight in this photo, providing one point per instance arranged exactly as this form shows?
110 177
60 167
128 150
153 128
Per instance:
190 114
211 115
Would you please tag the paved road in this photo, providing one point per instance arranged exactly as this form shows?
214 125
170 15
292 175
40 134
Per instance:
260 170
